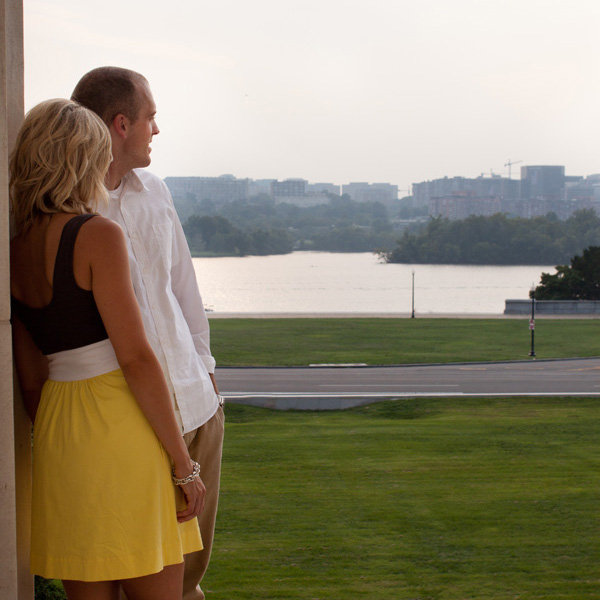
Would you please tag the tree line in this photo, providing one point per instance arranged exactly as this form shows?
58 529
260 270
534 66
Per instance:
579 280
215 235
498 240
262 226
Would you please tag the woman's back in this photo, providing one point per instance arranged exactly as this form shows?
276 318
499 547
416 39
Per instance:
32 260
56 306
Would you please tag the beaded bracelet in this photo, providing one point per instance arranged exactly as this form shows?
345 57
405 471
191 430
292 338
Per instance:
195 473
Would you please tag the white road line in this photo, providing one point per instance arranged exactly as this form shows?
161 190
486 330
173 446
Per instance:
234 395
391 385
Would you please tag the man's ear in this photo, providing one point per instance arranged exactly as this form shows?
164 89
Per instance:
120 125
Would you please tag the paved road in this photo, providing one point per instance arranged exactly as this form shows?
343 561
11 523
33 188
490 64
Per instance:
333 388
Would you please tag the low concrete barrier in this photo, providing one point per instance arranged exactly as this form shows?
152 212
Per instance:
553 307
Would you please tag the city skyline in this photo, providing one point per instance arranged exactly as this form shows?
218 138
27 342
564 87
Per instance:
338 90
515 177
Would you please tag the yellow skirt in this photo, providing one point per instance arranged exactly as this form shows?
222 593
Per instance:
104 506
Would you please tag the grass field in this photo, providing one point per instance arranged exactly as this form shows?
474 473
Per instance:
423 499
428 499
397 341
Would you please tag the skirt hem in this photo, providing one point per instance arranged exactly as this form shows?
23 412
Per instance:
107 571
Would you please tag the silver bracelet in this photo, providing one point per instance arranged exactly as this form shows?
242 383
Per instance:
195 473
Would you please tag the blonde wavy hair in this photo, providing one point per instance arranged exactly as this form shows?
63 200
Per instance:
61 156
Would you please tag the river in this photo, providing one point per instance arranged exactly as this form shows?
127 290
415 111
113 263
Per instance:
324 282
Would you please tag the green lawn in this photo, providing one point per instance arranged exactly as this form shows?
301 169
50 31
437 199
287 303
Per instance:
397 341
428 499
413 499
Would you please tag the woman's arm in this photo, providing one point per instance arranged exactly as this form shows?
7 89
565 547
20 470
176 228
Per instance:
103 242
32 367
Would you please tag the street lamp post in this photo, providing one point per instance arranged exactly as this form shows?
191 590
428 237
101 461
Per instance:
412 314
532 324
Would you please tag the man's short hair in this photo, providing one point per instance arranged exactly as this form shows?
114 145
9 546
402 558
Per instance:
110 91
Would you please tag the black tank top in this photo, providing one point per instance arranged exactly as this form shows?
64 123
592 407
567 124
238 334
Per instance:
71 319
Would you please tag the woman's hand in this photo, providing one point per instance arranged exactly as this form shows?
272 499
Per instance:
194 493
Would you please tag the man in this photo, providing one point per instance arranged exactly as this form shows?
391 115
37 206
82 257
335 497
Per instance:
164 281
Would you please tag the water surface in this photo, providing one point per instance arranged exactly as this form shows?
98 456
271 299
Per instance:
324 282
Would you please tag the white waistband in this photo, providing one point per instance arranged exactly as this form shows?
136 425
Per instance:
83 363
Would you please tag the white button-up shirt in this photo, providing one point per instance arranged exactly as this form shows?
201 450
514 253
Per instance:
165 285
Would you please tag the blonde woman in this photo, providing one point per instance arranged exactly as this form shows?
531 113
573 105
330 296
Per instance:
107 512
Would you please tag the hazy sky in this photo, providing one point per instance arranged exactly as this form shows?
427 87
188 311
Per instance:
341 90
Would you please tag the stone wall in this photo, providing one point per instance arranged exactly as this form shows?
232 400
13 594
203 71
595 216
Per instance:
15 442
553 307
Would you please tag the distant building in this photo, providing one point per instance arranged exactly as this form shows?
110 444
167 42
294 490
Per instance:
360 191
582 188
461 206
260 186
288 188
542 189
225 188
543 181
323 188
300 192
303 201
228 188
482 187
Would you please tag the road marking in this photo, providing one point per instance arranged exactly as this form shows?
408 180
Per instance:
391 385
233 395
334 365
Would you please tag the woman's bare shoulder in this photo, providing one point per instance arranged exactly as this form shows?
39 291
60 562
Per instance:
101 229
100 225
101 237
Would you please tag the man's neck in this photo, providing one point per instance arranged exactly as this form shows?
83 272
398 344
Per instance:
114 176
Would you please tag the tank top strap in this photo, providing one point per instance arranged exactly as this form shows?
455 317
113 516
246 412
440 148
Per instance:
64 279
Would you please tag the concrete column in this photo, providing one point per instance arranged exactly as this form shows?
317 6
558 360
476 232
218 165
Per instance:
15 439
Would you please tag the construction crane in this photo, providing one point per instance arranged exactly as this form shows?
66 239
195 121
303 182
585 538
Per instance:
510 163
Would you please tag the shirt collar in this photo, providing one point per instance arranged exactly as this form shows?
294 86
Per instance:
133 179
